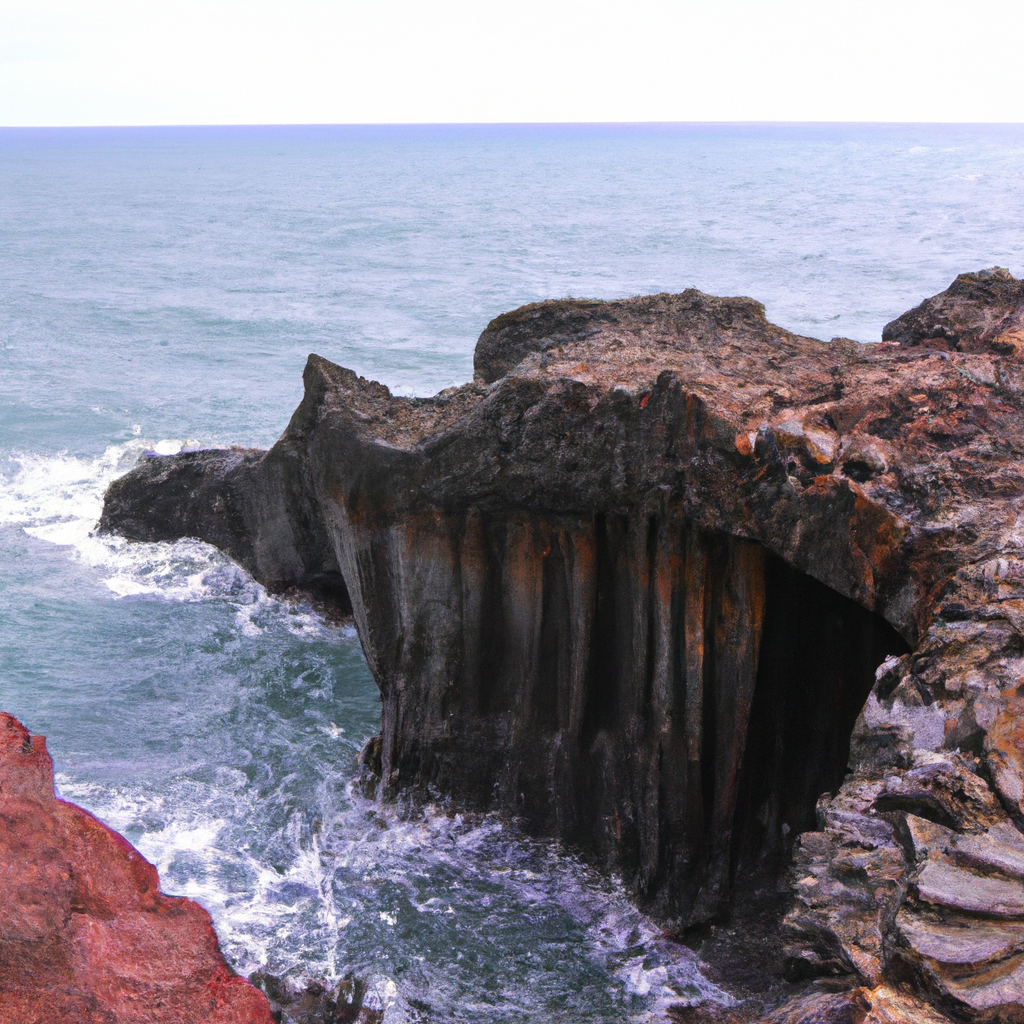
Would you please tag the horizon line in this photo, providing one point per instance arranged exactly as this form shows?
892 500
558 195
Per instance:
519 124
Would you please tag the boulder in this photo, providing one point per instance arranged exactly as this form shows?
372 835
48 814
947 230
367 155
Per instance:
86 936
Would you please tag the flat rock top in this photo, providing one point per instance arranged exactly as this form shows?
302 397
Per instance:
621 343
927 421
937 366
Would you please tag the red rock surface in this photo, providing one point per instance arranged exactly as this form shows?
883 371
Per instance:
86 936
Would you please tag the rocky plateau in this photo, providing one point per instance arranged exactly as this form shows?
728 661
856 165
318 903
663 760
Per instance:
737 613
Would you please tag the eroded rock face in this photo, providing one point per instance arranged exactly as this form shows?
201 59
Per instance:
633 585
86 936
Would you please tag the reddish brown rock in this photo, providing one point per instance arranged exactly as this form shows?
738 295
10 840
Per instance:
881 1005
86 936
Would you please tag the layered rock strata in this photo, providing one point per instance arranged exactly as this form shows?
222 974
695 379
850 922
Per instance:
86 936
639 582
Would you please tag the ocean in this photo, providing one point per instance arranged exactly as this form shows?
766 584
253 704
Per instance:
163 286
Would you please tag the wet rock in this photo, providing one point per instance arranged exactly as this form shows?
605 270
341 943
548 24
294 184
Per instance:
881 1005
848 878
962 929
960 889
369 768
304 1001
255 507
959 942
85 933
632 585
821 1005
943 789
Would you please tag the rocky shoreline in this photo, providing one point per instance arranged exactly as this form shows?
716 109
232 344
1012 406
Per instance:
86 936
738 613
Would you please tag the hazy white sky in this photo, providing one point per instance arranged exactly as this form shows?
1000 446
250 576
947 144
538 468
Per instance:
75 62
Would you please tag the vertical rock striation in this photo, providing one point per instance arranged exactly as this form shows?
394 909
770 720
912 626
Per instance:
633 585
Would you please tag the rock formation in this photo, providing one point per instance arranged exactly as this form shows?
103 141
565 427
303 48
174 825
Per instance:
86 936
314 1002
736 612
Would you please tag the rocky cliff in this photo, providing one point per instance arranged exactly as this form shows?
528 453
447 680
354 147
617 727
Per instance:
86 936
738 613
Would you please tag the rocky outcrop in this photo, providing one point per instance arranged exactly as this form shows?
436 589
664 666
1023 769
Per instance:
255 506
316 1002
86 936
661 576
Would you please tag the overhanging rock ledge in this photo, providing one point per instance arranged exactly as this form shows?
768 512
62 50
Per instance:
665 573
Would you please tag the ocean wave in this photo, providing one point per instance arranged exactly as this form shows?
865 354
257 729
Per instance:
496 864
345 885
59 498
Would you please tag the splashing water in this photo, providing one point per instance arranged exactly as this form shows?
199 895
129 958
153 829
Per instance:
248 807
59 500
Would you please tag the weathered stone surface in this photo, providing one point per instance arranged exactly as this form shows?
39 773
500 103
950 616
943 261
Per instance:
86 936
963 941
881 1005
633 584
820 1005
253 505
949 886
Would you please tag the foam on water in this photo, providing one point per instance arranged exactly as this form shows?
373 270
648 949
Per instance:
357 883
453 917
59 499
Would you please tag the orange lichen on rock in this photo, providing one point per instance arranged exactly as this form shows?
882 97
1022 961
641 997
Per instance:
86 936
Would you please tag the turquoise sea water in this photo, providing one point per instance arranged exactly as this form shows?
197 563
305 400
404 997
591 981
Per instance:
165 285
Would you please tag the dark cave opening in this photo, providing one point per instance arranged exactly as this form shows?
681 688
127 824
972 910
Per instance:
716 698
816 667
668 700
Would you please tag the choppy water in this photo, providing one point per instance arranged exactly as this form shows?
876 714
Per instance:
162 286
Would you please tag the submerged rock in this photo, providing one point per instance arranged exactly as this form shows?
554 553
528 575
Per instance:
317 1002
733 611
86 936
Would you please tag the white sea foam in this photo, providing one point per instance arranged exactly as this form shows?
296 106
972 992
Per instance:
302 886
489 854
368 868
58 499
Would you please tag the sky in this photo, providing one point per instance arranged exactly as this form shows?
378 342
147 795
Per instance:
123 62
